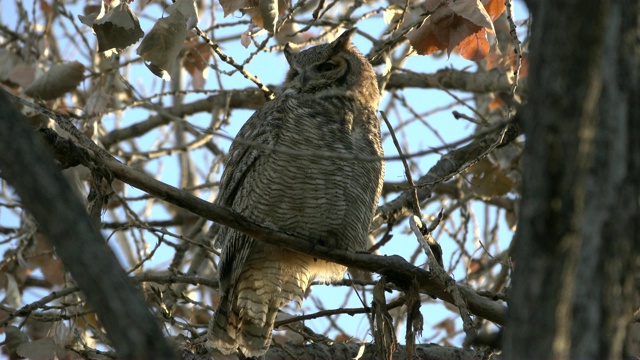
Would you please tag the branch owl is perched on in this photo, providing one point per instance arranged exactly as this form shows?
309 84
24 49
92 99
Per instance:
328 106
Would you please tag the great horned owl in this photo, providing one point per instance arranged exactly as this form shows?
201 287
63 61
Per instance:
328 107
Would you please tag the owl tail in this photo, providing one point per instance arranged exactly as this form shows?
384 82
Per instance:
222 328
248 330
254 335
259 296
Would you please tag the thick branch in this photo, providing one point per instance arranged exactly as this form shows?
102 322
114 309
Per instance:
477 82
395 268
27 166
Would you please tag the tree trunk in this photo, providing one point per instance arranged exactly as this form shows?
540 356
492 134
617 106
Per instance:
578 239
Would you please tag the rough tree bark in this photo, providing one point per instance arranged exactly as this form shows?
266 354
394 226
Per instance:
579 232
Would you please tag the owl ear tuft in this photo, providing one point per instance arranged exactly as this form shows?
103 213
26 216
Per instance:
289 54
343 41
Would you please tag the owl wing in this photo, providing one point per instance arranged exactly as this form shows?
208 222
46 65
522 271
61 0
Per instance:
241 161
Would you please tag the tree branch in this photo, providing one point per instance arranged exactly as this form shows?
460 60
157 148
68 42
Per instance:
27 166
395 268
342 351
253 99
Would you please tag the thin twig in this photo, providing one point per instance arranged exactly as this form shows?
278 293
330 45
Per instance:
407 170
270 95
467 323
518 49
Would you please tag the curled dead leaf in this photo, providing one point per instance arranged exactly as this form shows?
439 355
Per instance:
459 26
268 10
186 8
161 46
264 13
23 75
196 62
60 79
7 62
474 11
118 29
44 349
489 180
14 338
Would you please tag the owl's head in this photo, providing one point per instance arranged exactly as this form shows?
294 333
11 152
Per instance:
332 69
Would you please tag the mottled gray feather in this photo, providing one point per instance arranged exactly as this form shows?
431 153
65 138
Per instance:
328 106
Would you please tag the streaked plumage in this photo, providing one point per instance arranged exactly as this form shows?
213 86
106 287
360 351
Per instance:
329 106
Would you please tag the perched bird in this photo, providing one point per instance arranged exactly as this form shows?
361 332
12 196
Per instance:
294 166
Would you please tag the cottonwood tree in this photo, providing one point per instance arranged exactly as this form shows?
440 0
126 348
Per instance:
136 104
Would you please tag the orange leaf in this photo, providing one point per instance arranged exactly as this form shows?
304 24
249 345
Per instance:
461 26
524 63
425 41
494 8
496 103
475 46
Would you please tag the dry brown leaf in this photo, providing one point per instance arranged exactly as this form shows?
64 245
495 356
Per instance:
118 29
524 63
46 8
488 180
473 265
90 9
161 46
269 13
7 62
512 220
415 320
494 8
53 271
448 325
44 349
14 338
425 41
23 75
60 79
264 13
196 63
38 120
98 102
229 6
474 11
496 103
459 26
384 335
91 14
186 8
475 46
86 321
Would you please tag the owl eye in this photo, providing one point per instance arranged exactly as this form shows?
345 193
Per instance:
327 66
